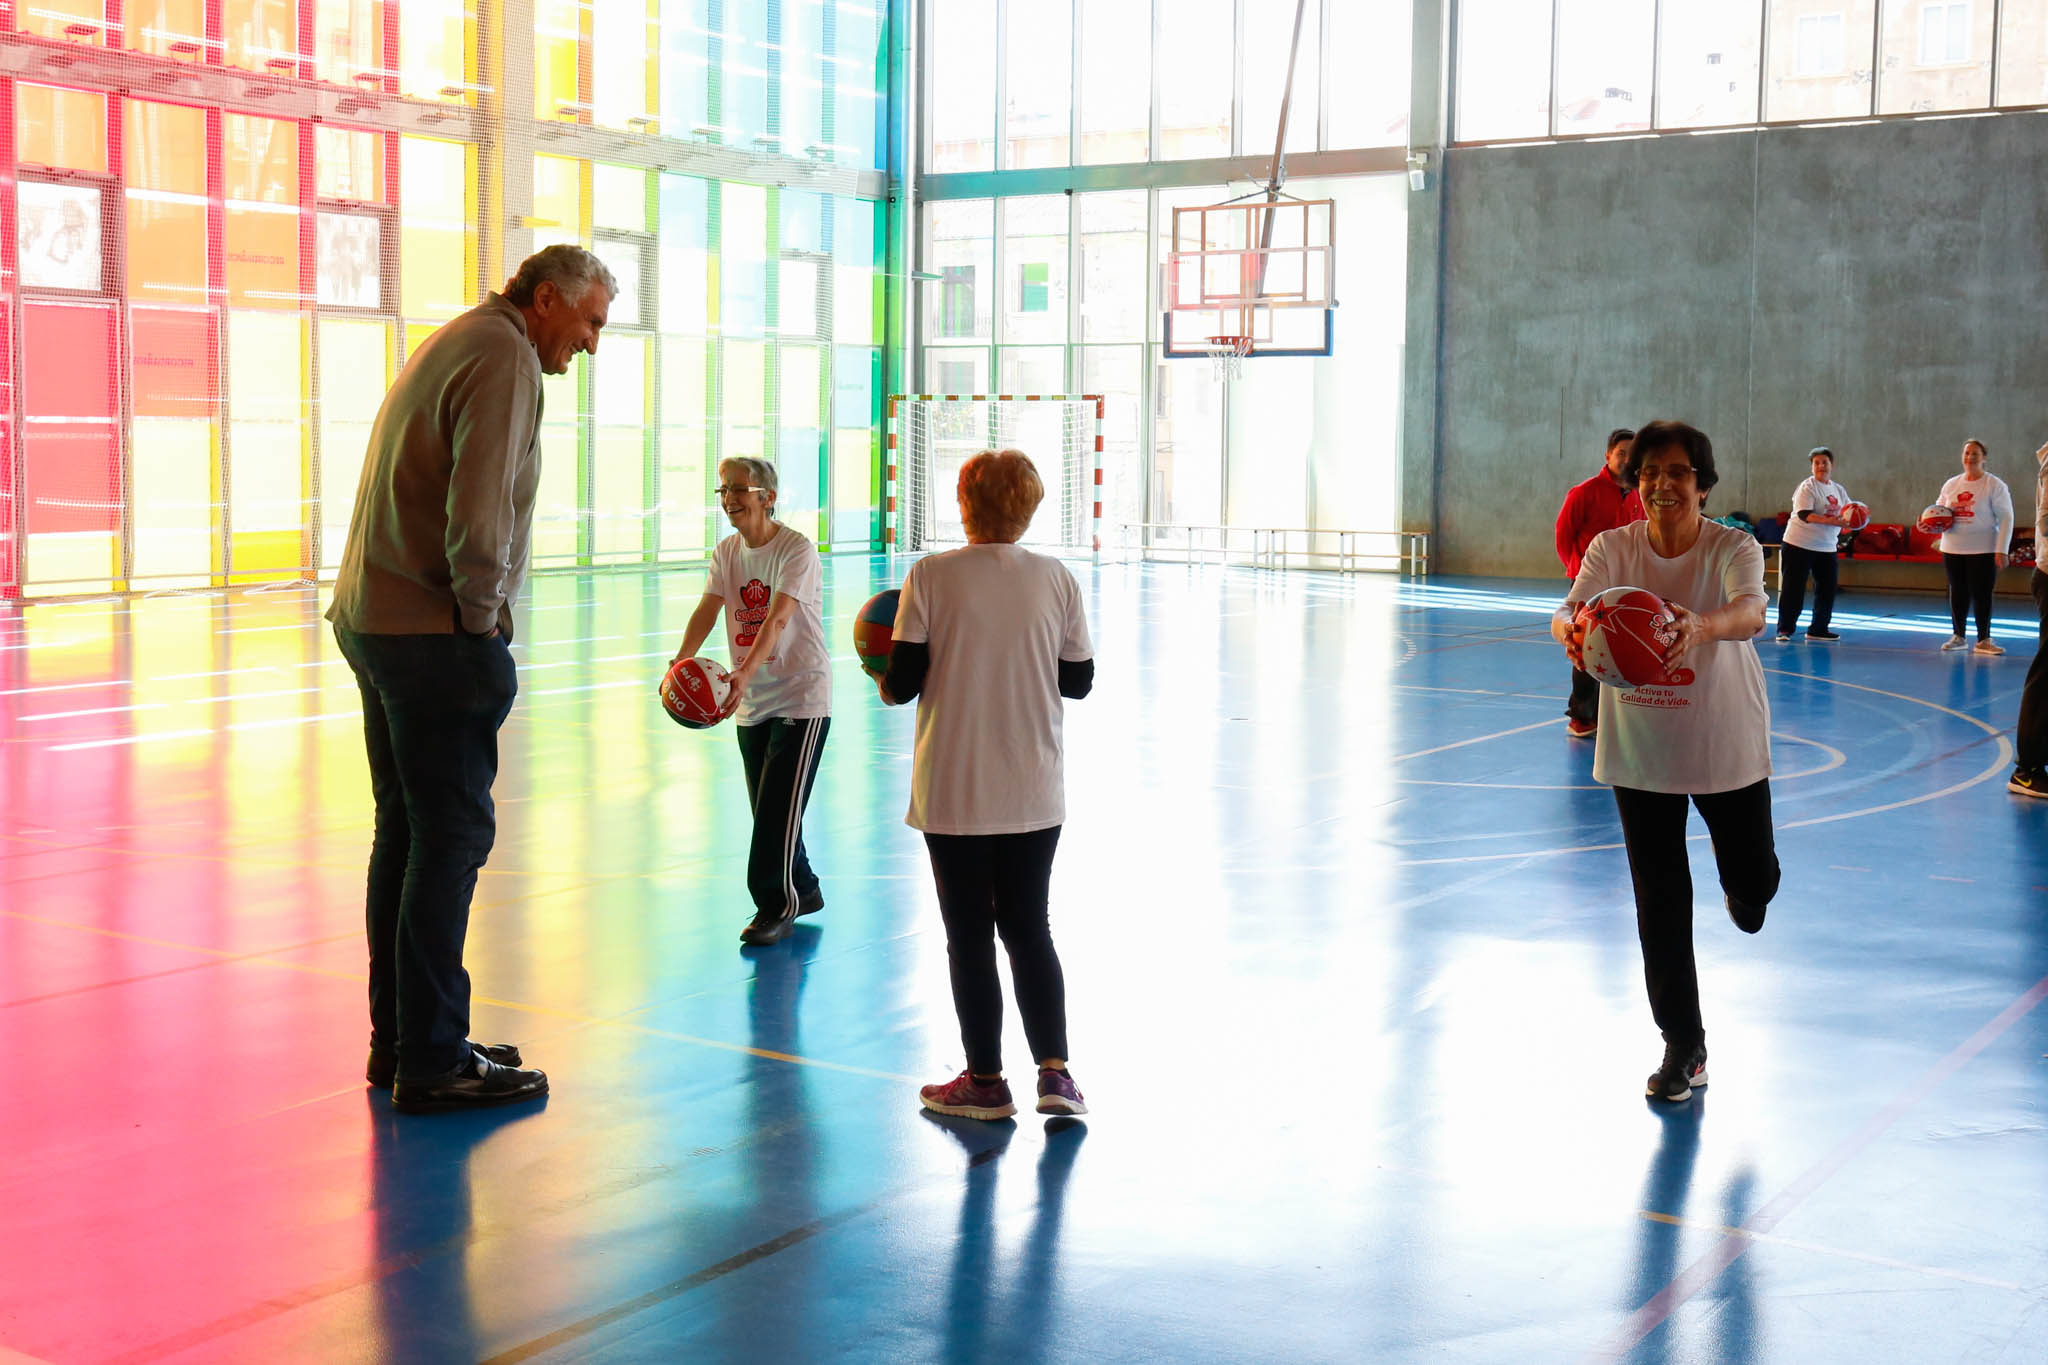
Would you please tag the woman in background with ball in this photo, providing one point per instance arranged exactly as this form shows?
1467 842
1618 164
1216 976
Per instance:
1819 511
1973 546
1701 734
768 583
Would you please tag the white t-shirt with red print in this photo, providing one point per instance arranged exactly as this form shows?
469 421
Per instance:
1708 729
794 683
1823 498
1983 509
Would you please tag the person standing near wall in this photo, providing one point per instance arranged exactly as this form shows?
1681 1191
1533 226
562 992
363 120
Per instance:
437 551
1973 550
1811 540
2030 773
1601 503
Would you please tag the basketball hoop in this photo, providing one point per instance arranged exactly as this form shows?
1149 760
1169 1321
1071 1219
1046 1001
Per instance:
1226 356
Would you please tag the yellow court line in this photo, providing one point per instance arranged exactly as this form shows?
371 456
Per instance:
621 1022
1772 1239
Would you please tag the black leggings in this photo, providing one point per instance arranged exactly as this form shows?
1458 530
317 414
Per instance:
1971 579
993 884
1746 855
1796 565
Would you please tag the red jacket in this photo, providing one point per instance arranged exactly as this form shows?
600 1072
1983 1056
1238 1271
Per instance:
1598 504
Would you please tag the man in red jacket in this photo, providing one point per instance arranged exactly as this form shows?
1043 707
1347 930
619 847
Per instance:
1601 503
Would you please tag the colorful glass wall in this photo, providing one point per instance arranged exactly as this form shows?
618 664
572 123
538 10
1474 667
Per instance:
210 277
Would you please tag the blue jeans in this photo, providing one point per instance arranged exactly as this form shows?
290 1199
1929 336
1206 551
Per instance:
432 705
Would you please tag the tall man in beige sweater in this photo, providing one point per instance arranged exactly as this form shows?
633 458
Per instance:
437 551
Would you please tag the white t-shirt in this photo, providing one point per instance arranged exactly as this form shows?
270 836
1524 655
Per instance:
1983 510
1709 730
1827 499
998 619
796 681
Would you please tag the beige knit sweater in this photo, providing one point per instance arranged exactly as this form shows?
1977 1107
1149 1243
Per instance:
443 521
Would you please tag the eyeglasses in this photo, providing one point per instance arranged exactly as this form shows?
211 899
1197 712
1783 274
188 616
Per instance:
733 490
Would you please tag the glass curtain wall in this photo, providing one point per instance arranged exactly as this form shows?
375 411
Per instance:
1059 293
1594 67
202 305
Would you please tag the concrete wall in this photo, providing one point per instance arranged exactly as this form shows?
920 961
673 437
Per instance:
1882 289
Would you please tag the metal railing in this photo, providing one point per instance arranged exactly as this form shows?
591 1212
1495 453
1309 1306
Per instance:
1278 547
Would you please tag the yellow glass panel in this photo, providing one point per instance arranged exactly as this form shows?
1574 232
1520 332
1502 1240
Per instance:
555 512
433 50
74 560
61 128
172 464
353 368
351 164
619 503
557 47
266 456
852 470
266 368
557 200
415 333
266 556
167 28
685 499
348 40
260 35
166 170
260 163
435 235
78 21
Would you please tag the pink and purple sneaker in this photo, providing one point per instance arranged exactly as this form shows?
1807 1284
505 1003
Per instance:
1057 1093
967 1098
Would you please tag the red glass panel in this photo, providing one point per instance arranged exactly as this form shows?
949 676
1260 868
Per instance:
69 360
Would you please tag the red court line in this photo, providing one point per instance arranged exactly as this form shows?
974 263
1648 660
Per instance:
1703 1272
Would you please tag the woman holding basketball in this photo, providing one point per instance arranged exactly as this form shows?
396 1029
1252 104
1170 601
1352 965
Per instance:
1702 735
989 638
768 583
1973 548
1819 511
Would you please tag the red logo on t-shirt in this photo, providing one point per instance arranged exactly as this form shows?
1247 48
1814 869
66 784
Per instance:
1964 510
750 613
1833 506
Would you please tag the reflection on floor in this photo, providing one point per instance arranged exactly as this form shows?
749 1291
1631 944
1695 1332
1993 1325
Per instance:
1355 995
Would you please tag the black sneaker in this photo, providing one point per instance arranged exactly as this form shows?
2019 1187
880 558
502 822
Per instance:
810 902
1684 1070
1822 635
1748 918
2028 782
1784 637
769 926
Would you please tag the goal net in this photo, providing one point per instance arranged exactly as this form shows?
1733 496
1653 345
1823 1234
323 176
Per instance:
932 435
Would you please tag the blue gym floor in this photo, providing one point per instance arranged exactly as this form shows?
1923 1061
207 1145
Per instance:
1353 976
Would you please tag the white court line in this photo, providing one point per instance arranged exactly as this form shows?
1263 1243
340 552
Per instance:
1478 739
128 740
95 711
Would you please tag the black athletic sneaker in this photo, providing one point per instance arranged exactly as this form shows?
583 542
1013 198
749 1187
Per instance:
1748 918
2028 782
1684 1070
1784 637
1822 635
769 926
810 902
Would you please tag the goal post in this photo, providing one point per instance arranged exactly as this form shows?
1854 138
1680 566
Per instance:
931 435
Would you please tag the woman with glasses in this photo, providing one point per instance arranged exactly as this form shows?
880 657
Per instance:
767 581
1701 735
989 639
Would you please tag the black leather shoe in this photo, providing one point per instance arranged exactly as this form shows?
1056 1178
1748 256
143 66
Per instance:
383 1067
1748 918
769 926
477 1083
811 902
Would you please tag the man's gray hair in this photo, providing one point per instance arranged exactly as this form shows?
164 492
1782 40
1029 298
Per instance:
760 473
571 269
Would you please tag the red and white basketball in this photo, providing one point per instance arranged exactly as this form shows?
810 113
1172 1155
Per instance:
1627 631
694 692
1936 519
1855 516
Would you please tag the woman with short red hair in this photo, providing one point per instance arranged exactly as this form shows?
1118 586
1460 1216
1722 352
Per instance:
989 638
